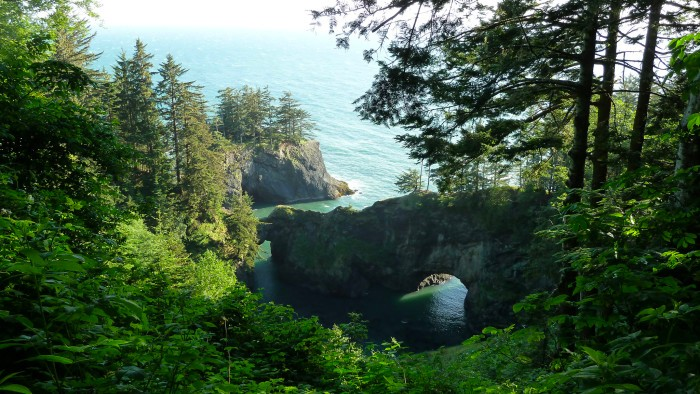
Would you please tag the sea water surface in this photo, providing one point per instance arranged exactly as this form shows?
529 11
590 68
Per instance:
326 81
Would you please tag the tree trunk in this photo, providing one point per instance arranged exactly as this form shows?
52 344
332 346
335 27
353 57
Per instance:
601 135
583 106
689 150
646 75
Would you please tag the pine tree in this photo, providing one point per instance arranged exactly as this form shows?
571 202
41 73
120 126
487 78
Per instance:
408 181
227 111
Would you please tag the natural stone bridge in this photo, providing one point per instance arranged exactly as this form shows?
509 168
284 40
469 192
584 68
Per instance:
484 239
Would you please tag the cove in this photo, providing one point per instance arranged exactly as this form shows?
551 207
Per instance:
422 320
484 238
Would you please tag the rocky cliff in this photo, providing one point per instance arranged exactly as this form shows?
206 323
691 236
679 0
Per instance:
290 174
484 239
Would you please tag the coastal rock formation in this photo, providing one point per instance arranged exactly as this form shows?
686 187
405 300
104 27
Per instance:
292 173
485 239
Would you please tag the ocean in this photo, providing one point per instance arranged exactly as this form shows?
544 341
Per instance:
326 81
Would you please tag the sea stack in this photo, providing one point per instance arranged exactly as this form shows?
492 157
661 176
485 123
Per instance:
292 173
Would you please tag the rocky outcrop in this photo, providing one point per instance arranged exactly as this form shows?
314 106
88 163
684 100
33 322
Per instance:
484 239
290 174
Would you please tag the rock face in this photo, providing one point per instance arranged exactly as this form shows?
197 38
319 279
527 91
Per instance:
290 174
483 239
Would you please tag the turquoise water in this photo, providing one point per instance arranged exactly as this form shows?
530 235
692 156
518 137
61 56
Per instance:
326 81
421 320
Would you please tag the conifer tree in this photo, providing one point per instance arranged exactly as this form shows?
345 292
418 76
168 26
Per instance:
198 155
72 40
227 111
646 75
140 126
294 122
203 163
172 94
408 181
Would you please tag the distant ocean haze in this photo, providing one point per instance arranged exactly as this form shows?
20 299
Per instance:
324 79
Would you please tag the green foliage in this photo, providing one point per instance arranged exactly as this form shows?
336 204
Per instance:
144 317
212 278
165 258
48 140
241 241
634 298
93 299
248 115
408 181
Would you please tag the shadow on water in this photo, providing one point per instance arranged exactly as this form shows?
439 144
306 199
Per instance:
422 320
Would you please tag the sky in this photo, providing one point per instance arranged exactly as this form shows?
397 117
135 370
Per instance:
245 14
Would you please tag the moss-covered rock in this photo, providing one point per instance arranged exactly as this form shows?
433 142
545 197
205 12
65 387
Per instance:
485 239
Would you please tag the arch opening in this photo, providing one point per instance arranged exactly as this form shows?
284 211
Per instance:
435 313
435 280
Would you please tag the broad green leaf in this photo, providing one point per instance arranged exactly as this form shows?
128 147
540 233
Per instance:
24 321
24 268
7 377
555 301
15 388
693 120
590 372
33 256
65 265
490 330
598 357
52 358
112 342
626 387
131 307
73 349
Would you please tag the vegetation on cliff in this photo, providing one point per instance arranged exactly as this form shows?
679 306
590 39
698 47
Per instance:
486 239
248 115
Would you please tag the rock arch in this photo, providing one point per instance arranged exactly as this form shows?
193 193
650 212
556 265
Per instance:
483 239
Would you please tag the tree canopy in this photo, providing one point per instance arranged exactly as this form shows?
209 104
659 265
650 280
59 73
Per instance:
515 82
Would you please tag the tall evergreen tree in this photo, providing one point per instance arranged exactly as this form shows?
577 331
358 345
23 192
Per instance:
142 130
203 161
72 39
172 94
227 111
294 122
646 75
601 133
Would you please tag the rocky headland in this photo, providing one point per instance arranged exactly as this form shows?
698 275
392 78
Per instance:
292 173
485 239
